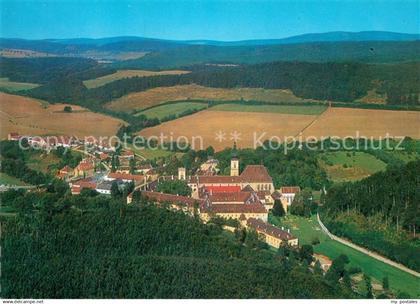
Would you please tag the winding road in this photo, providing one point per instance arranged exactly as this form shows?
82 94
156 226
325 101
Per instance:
365 251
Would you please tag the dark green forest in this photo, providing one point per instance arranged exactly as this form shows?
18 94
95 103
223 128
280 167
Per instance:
44 70
63 246
380 212
345 82
362 51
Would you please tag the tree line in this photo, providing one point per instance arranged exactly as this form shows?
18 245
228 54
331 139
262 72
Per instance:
140 251
380 212
62 79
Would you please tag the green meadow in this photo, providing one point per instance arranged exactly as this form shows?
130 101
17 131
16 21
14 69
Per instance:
12 86
172 109
307 229
285 109
344 166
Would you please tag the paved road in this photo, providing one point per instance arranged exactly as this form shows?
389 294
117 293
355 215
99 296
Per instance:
365 251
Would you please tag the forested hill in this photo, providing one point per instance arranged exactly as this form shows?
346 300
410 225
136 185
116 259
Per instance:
324 81
88 246
363 51
380 212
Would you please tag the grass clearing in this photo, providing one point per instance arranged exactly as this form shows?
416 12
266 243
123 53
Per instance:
342 166
306 229
6 179
172 109
13 86
42 162
160 95
286 109
120 74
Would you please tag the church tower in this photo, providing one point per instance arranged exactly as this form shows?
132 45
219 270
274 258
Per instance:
182 173
234 166
234 162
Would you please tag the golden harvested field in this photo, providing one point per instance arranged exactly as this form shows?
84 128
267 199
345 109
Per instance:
100 81
31 117
206 124
156 96
371 123
333 122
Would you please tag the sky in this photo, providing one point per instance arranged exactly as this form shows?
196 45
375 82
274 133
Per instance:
202 19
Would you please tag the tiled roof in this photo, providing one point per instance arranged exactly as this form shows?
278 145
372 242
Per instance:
127 153
222 189
290 189
66 169
86 165
125 176
256 173
215 179
61 174
103 156
230 197
236 208
261 226
82 184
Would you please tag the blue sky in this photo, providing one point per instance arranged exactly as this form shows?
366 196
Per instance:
202 19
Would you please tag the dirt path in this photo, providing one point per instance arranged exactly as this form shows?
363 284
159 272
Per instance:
317 117
366 251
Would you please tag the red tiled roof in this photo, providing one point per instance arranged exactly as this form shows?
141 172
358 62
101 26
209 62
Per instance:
82 184
215 179
85 165
127 153
171 198
256 173
271 230
125 176
61 174
290 189
66 169
222 189
230 197
236 208
103 156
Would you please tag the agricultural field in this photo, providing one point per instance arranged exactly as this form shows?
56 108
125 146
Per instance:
12 86
340 122
201 129
344 166
10 180
172 109
307 229
156 96
30 116
286 109
120 74
344 122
